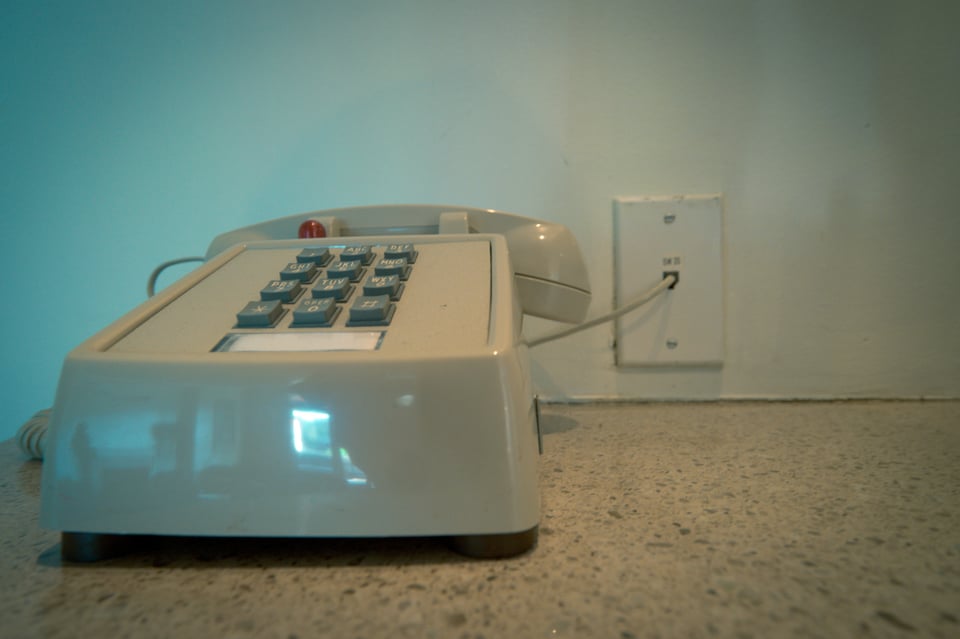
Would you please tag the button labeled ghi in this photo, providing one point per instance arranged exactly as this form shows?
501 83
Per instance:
283 290
301 271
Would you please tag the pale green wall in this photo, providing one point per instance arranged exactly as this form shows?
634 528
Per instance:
135 132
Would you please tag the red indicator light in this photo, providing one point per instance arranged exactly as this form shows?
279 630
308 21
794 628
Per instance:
311 228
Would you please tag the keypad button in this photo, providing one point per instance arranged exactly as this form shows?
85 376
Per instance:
371 310
318 256
349 270
382 285
301 271
315 312
259 314
283 290
406 251
393 266
336 288
362 254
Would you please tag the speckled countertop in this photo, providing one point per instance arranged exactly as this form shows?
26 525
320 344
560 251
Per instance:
659 520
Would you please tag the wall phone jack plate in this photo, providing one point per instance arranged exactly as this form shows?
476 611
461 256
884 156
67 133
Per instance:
653 238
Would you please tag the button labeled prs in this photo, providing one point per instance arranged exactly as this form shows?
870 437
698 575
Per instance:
283 290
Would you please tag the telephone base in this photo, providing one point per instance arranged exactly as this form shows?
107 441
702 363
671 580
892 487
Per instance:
425 427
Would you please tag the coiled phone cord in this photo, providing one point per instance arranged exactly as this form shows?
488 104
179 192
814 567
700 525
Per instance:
32 436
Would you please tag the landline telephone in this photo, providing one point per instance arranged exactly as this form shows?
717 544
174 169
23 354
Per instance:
352 372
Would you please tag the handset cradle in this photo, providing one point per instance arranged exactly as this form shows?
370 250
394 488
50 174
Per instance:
549 270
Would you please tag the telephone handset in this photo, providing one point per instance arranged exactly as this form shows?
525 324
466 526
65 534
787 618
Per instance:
549 271
368 383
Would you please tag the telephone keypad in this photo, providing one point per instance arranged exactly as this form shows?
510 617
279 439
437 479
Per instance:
335 275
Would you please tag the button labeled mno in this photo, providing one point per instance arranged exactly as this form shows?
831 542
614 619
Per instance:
393 266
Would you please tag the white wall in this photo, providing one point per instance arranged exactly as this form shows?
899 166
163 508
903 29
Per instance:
135 133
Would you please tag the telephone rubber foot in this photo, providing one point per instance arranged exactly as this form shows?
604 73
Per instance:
87 547
495 546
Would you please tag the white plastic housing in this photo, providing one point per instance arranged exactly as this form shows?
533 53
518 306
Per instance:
682 234
432 433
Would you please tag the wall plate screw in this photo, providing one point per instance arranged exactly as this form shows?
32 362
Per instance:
669 218
672 343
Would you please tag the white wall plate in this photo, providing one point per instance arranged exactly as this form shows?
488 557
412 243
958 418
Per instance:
684 325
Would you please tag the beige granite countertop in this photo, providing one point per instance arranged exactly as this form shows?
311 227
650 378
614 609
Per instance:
658 520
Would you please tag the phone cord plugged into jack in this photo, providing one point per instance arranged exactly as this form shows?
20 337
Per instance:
668 282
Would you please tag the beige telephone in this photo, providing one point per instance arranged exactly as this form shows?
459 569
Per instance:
368 383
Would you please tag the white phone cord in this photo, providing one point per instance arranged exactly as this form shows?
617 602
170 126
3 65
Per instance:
667 282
